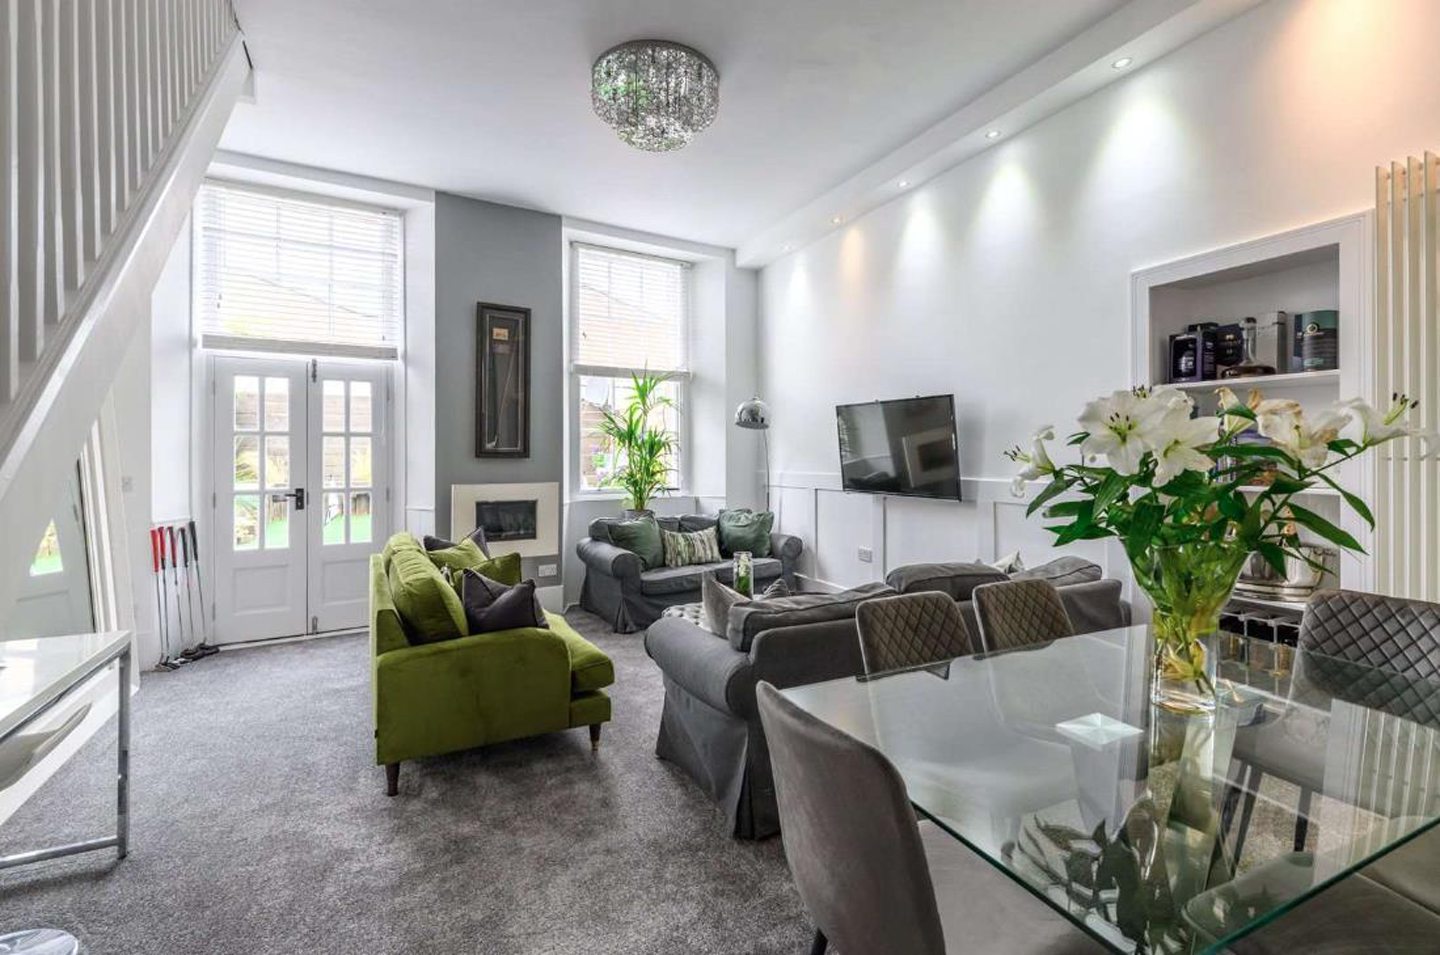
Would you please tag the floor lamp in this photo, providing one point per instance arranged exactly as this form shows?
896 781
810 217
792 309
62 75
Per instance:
754 415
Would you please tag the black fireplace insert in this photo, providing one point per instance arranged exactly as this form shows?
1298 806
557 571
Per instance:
506 520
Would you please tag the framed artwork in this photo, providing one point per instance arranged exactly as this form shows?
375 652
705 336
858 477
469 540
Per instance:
502 381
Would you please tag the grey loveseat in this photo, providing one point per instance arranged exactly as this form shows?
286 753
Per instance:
619 590
709 725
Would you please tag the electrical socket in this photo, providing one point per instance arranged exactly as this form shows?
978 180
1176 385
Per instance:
547 570
866 555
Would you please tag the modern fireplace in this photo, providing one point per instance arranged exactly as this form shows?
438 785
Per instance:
506 520
525 517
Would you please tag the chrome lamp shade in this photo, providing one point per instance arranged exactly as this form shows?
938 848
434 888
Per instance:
753 414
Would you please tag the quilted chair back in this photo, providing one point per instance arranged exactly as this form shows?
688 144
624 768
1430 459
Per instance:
910 630
1388 633
1385 636
1020 613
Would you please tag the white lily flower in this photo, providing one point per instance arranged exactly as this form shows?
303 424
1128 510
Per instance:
1037 462
1113 425
1376 428
1178 440
1303 439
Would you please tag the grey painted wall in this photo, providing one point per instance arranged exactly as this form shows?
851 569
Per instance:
486 252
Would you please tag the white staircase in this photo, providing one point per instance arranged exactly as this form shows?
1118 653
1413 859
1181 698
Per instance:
109 113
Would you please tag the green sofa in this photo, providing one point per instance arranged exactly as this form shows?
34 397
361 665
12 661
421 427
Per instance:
455 694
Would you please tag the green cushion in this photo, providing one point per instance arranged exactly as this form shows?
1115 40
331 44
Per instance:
467 555
590 668
426 603
640 536
401 541
744 529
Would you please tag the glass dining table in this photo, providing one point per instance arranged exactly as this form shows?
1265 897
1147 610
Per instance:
1156 831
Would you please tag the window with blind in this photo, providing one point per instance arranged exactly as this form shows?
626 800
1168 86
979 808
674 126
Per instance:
277 271
630 314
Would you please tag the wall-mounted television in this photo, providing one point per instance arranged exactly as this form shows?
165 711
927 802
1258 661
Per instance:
905 446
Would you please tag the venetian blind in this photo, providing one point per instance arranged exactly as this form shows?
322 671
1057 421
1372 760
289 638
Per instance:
285 272
631 310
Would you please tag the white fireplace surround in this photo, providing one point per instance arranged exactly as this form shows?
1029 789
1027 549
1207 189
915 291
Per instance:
464 497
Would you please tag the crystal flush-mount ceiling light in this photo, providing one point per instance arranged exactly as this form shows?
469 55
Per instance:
655 94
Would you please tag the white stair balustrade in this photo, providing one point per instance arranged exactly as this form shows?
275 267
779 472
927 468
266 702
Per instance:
110 110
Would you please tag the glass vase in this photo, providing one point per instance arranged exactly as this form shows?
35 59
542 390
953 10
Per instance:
744 574
1189 585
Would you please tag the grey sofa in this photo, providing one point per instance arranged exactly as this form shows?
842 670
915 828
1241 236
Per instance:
709 725
619 590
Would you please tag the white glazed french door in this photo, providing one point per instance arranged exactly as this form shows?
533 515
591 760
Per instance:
299 491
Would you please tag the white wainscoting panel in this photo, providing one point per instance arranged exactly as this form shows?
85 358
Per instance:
988 523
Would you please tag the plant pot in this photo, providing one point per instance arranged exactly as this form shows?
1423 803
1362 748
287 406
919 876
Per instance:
631 513
1188 584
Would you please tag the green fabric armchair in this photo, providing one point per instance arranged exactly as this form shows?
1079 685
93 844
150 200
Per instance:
469 691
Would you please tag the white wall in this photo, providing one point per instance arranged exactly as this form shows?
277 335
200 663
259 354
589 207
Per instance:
1006 280
172 399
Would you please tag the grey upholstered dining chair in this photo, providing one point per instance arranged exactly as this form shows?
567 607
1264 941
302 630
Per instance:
1391 905
1381 634
911 630
872 879
1019 613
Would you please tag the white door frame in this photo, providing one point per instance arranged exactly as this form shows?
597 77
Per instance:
204 457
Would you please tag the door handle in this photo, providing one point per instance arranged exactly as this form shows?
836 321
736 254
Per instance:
298 495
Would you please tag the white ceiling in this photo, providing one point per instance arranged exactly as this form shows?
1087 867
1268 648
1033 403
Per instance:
491 97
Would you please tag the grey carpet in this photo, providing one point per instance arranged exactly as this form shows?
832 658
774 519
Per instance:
260 826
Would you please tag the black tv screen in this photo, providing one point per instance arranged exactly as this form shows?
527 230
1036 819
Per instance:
906 446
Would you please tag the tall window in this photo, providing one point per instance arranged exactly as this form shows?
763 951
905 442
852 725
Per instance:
278 271
631 314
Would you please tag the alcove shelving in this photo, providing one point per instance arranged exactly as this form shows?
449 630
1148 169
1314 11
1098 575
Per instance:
1321 267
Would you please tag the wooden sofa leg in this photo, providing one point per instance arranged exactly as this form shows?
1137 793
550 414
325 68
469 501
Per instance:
594 736
392 779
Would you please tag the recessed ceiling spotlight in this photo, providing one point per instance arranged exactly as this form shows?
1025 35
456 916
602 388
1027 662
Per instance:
787 247
992 134
1121 63
903 183
836 220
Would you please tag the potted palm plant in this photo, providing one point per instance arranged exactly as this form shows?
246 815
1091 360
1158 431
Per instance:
640 445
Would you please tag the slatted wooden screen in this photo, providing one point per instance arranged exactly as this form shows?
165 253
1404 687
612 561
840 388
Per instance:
1407 360
92 95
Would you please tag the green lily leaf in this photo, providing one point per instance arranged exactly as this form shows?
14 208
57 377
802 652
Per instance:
1320 525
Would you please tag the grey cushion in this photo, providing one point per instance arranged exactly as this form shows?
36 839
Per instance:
955 579
491 606
1062 572
678 580
717 599
748 620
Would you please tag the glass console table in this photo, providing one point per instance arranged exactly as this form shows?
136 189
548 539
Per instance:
35 676
1154 831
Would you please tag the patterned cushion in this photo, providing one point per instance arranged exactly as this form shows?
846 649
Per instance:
683 549
910 630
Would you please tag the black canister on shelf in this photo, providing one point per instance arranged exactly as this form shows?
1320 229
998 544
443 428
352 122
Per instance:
1317 340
